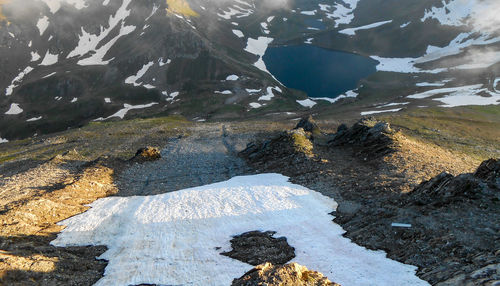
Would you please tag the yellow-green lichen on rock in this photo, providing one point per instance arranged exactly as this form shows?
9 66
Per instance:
301 143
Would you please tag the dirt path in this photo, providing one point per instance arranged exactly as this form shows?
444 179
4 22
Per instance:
207 156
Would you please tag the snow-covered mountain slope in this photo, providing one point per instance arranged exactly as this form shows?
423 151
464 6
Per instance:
65 63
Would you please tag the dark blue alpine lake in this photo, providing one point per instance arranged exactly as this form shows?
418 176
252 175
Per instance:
318 72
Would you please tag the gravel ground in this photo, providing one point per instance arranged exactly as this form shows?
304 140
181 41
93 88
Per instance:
208 156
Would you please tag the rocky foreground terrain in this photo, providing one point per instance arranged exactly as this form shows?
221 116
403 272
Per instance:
421 203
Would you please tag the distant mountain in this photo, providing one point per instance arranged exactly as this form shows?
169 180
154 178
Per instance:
64 63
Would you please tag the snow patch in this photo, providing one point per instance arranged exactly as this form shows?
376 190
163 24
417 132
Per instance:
455 47
393 104
49 75
352 31
405 25
162 63
238 33
17 80
42 24
269 95
89 43
176 238
258 47
379 111
55 5
468 89
155 8
223 92
347 94
307 103
134 78
309 13
255 105
402 65
495 84
35 56
430 84
49 59
232 77
126 108
461 95
341 13
34 119
253 90
462 99
14 109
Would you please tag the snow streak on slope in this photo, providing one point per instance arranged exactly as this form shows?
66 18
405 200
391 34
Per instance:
176 238
126 108
42 24
89 42
134 78
352 31
17 80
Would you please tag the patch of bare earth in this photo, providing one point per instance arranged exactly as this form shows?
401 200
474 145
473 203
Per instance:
32 203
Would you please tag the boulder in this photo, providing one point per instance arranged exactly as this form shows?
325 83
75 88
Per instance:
147 154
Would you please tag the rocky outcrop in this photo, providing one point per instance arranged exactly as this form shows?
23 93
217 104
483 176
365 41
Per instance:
309 125
489 171
277 275
147 154
445 188
373 138
255 247
296 142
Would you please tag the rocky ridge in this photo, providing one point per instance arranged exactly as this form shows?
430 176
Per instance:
445 225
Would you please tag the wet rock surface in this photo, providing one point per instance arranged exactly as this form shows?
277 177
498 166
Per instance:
256 247
277 275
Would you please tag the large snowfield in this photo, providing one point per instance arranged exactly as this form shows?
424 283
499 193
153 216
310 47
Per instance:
176 238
